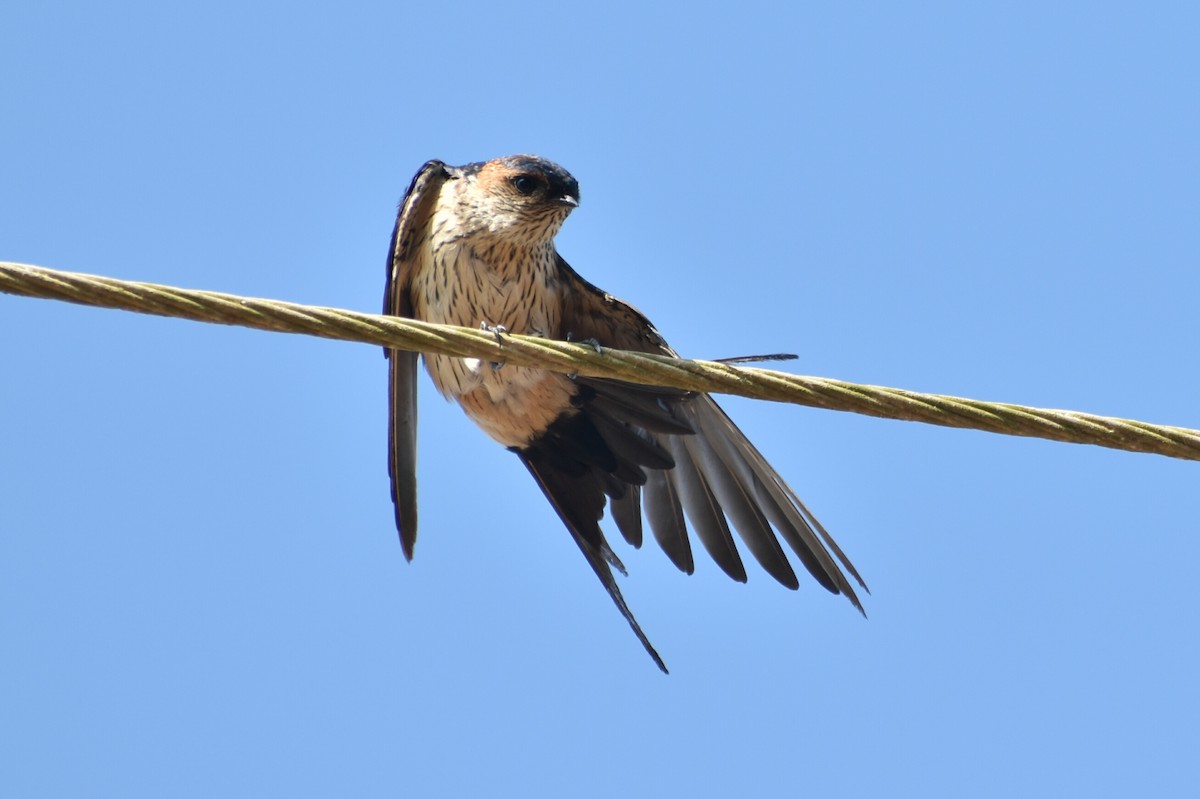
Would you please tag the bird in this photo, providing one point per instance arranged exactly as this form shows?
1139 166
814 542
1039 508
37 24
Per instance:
474 245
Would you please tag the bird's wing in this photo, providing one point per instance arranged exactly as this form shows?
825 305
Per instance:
408 239
683 457
579 501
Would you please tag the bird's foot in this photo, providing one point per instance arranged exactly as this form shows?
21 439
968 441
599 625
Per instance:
498 331
591 342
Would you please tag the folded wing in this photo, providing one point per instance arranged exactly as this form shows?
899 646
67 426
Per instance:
410 241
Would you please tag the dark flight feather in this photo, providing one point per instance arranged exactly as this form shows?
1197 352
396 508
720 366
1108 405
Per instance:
407 237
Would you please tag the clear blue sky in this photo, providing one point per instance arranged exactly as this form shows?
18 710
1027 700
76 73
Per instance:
201 590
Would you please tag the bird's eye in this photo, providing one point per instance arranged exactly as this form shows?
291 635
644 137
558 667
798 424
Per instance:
525 184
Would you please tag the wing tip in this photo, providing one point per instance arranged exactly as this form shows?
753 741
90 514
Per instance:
848 592
406 546
406 528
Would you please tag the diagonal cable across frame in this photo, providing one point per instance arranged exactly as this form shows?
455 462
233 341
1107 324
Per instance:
820 392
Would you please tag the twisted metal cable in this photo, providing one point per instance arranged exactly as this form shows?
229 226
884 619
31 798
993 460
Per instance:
890 403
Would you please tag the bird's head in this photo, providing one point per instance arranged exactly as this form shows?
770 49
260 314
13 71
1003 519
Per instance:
519 196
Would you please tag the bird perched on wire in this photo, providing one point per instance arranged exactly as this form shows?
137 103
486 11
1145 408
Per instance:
474 246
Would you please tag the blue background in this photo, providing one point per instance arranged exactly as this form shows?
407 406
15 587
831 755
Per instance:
201 591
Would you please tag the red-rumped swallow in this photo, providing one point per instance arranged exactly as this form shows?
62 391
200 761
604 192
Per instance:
474 246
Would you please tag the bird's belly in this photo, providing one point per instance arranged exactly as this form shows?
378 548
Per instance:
513 404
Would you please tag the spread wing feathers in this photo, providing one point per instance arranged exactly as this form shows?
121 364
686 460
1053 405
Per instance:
627 513
674 455
807 537
661 501
410 235
576 496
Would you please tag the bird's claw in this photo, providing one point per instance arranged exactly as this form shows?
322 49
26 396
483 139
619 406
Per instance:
498 331
495 330
591 342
